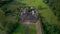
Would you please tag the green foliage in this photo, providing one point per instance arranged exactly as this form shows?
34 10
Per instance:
9 9
49 28
3 2
55 6
46 1
9 12
20 29
11 27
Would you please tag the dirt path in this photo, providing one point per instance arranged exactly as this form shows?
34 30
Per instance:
38 27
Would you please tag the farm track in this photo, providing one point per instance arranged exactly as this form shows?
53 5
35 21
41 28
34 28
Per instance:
38 27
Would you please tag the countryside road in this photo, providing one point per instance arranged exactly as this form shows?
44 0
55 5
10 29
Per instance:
38 27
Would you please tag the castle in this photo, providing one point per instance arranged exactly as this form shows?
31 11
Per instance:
28 14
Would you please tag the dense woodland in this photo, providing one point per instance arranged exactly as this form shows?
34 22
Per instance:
9 12
55 6
8 16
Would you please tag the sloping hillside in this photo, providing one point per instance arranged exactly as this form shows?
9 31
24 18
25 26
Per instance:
9 13
46 11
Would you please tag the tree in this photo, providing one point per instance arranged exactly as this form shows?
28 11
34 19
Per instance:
3 2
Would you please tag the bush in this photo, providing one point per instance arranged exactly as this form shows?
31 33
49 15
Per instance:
49 28
4 2
11 27
46 1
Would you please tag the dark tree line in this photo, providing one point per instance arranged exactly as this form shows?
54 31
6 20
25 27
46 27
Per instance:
48 28
4 2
